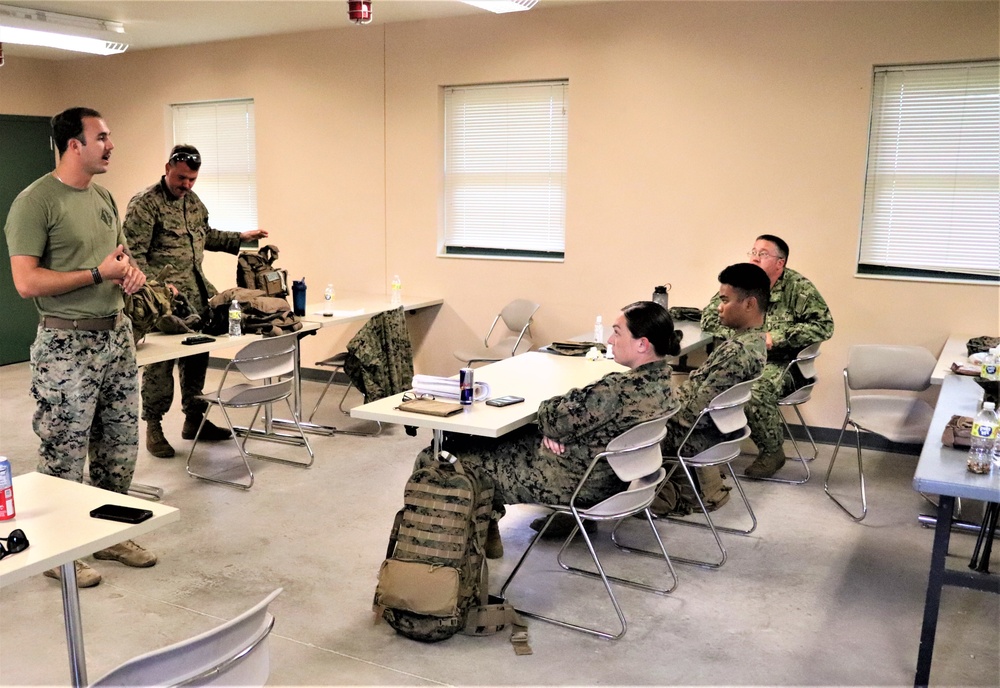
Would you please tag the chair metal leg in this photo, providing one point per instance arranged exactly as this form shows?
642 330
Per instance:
236 439
275 459
330 430
628 581
246 455
861 473
322 394
710 524
600 573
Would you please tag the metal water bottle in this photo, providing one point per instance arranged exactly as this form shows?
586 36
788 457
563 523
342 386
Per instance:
466 386
6 490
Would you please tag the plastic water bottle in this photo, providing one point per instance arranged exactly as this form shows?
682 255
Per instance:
599 330
990 370
328 296
6 490
984 434
396 298
235 319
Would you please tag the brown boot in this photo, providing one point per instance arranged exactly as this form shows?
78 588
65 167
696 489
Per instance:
494 545
86 577
766 465
210 432
128 553
156 443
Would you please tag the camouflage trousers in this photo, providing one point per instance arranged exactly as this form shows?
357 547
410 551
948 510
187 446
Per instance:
85 386
521 474
762 410
158 386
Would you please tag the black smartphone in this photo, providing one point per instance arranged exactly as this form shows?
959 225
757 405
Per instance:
504 401
197 339
125 514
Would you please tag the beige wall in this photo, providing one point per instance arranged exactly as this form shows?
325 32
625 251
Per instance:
694 126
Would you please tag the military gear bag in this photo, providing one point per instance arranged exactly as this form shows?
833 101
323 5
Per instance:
262 314
155 308
255 270
434 580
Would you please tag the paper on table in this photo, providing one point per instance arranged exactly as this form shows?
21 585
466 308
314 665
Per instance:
447 387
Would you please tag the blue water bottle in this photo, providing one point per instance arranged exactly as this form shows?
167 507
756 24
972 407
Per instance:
299 297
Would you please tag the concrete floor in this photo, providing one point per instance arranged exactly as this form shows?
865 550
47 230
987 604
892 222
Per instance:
810 598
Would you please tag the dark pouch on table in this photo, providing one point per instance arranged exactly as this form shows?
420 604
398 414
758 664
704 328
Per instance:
958 432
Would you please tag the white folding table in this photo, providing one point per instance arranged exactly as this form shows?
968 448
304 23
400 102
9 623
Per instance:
55 516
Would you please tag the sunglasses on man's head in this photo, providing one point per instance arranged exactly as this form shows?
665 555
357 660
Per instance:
190 159
17 541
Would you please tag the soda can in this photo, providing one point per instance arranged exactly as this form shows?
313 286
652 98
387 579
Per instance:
466 386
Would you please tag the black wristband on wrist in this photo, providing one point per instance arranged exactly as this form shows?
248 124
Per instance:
96 274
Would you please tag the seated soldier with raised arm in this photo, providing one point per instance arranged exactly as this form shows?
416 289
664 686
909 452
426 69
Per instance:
797 317
545 462
744 291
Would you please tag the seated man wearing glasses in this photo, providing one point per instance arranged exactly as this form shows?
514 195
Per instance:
167 229
545 462
797 317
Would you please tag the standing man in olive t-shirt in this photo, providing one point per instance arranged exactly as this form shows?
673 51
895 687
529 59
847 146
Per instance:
69 255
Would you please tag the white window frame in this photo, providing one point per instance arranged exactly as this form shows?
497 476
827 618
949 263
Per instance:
505 151
223 132
932 188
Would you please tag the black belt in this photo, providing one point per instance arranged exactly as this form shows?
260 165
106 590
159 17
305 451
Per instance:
89 324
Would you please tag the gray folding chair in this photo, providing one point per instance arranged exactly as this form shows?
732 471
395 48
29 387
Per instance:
635 458
802 367
267 365
233 654
895 417
726 411
516 317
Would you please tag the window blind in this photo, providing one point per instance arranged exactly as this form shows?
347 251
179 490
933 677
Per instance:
505 169
223 132
932 188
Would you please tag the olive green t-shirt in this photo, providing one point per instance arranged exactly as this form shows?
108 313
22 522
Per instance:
68 229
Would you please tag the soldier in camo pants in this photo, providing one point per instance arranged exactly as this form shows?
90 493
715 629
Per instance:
68 253
797 317
544 463
167 228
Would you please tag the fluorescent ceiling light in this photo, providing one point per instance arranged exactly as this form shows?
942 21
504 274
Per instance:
502 6
62 31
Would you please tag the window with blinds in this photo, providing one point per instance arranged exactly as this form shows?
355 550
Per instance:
223 132
505 170
932 189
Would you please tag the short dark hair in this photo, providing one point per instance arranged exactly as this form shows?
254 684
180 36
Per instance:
187 154
748 279
68 124
777 241
652 321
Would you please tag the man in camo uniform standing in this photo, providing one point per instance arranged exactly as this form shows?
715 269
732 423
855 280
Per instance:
68 254
545 462
797 317
744 291
167 227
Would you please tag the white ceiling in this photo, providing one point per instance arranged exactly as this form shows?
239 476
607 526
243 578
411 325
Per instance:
160 23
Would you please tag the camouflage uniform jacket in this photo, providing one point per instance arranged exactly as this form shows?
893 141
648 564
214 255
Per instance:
163 230
796 317
586 419
736 360
380 356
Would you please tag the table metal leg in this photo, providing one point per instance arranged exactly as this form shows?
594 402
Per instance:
438 439
74 624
